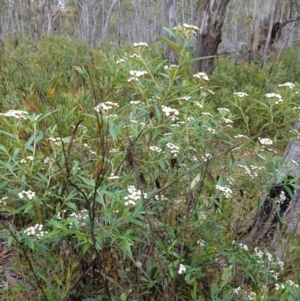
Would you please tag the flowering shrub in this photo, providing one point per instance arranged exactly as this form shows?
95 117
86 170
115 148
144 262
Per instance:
129 186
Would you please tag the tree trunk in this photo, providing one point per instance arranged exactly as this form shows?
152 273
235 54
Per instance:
169 19
265 28
107 18
276 225
210 34
14 23
270 18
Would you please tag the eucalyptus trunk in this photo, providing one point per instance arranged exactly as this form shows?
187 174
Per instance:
210 34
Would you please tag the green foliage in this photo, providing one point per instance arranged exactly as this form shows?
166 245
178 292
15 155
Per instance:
121 174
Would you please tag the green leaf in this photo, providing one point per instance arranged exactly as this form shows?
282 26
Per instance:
170 31
72 206
58 281
225 277
170 44
126 245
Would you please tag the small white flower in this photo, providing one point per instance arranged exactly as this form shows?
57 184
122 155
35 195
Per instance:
174 149
287 84
140 44
166 67
198 104
181 269
244 246
120 61
201 75
240 94
191 27
265 141
207 114
207 157
108 105
135 56
225 189
16 114
273 95
135 102
236 290
113 177
227 121
155 149
240 136
201 243
171 113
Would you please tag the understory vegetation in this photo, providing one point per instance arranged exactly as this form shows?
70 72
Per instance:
125 178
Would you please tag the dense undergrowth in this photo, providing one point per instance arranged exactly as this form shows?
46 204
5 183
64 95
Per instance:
123 177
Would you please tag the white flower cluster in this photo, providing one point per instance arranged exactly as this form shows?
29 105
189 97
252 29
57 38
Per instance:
113 177
136 56
225 189
169 112
16 114
133 196
258 253
56 141
201 75
135 102
3 201
223 111
186 28
29 194
113 151
30 158
198 104
206 157
279 286
287 84
140 44
292 283
252 173
135 74
227 121
59 214
281 198
160 197
170 67
211 130
36 230
120 61
240 136
181 269
243 246
155 149
273 95
108 105
265 141
206 92
201 243
206 114
185 98
174 149
89 149
82 217
240 94
237 290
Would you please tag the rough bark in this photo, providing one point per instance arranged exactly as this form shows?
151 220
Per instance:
210 34
275 227
268 34
169 19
